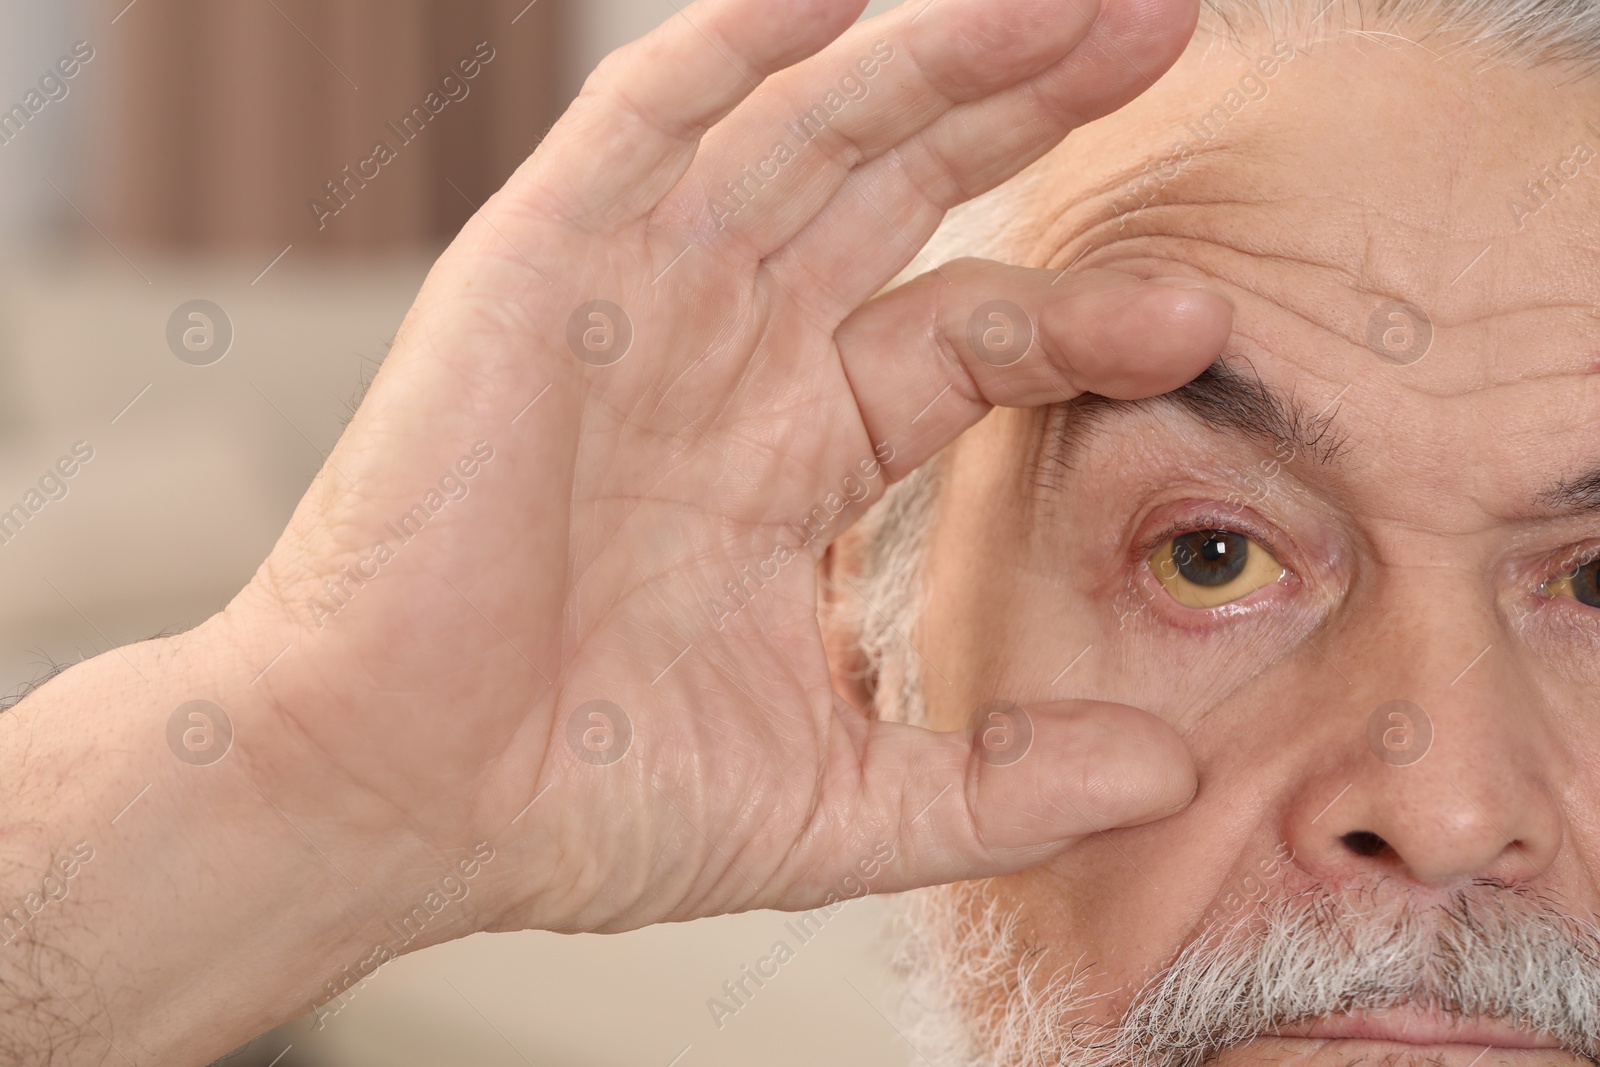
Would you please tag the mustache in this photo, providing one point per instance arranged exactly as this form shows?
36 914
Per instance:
1488 950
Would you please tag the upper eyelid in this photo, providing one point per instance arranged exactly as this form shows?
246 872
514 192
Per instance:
1206 518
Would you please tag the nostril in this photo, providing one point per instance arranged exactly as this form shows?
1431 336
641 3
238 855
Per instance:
1364 842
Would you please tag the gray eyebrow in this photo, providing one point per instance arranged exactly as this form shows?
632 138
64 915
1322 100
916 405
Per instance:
1223 397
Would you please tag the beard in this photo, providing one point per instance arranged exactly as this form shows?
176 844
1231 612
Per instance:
978 995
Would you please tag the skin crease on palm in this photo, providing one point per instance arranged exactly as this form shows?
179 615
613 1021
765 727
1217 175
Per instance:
1372 170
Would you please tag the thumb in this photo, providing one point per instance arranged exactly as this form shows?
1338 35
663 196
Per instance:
1012 790
1067 769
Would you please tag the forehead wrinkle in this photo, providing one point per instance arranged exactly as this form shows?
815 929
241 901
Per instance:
1485 348
1245 213
1236 233
1486 342
1243 190
1075 200
1250 191
1341 238
1068 212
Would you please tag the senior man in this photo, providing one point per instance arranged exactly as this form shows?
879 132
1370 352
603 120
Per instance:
1253 612
1354 565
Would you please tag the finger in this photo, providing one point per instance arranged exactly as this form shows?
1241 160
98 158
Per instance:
634 129
892 205
783 155
930 358
1014 789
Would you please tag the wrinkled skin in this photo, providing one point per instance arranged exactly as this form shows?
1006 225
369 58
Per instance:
1416 558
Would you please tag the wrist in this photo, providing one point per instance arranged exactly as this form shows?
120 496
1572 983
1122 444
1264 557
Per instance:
167 823
358 882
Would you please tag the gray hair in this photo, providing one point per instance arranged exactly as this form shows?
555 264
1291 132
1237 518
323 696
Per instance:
1525 32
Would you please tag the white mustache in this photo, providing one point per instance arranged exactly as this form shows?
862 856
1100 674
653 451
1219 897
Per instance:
1489 951
980 996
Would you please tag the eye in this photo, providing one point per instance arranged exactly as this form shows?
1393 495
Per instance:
1582 585
1209 568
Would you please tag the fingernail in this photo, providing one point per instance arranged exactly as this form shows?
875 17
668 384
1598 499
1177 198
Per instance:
1180 805
1181 282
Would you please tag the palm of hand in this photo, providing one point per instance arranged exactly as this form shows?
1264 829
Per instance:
649 452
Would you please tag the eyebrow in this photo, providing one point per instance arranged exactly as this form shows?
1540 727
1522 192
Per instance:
1223 397
1581 496
1240 404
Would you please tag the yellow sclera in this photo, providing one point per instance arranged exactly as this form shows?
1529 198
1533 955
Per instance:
1260 569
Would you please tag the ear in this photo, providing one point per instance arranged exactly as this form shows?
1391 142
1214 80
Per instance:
839 610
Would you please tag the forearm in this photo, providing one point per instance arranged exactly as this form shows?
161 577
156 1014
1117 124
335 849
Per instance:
158 907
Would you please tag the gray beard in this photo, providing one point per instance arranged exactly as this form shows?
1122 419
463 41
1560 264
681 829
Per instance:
976 996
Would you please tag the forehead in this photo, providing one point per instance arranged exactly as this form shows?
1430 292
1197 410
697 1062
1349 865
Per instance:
1414 235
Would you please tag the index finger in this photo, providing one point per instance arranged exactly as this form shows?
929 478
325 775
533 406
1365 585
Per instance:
880 84
635 127
929 359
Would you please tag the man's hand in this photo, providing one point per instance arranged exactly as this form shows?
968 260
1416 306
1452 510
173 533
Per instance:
704 368
555 588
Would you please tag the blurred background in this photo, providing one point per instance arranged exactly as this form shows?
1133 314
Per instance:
159 153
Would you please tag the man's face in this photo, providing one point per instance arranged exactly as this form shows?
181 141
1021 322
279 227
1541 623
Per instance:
1403 538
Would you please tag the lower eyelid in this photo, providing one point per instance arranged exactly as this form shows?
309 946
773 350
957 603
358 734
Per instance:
1171 616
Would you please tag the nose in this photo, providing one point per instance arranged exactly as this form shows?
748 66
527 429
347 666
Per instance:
1432 773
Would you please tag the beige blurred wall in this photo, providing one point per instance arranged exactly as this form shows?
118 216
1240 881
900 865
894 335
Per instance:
361 124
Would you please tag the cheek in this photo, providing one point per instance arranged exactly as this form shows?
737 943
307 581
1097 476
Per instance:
999 623
1131 899
1035 634
1003 633
1090 904
1184 670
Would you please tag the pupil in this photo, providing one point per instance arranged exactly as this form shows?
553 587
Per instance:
1586 584
1217 557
